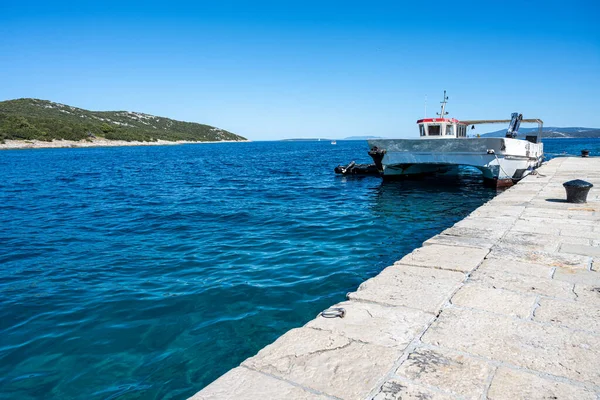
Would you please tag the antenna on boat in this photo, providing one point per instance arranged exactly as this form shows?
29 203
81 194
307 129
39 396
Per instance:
443 113
425 106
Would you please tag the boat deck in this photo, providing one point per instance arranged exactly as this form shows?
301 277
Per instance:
503 305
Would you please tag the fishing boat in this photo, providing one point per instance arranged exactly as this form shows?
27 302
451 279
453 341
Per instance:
443 146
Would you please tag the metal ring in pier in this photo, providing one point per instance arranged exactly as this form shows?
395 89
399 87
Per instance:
333 312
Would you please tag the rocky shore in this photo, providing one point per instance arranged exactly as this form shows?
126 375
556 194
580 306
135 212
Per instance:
39 144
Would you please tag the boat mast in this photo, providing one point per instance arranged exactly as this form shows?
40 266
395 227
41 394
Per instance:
443 113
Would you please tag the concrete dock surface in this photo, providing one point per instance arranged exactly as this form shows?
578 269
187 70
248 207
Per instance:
503 305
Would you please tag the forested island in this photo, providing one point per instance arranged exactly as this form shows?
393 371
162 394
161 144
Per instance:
34 120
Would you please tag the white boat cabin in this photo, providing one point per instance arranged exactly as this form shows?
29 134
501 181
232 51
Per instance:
442 128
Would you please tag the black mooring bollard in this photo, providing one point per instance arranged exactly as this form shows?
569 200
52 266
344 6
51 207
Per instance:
577 190
585 153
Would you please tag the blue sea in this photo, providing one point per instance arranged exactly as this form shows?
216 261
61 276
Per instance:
147 272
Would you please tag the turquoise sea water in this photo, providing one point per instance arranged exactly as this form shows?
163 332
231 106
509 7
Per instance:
147 272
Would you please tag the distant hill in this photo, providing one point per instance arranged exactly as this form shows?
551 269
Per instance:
29 119
305 140
362 137
553 132
325 139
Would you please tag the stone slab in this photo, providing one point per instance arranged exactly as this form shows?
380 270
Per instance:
534 212
525 284
559 260
575 240
425 289
511 201
539 347
490 234
452 258
396 389
588 214
508 196
575 231
559 221
555 202
530 227
532 241
461 241
242 383
494 265
374 323
459 374
499 224
580 249
498 211
494 300
326 362
509 384
582 276
588 294
572 314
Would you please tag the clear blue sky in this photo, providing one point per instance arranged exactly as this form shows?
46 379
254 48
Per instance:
270 70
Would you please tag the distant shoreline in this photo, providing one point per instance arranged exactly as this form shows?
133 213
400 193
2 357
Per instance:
57 144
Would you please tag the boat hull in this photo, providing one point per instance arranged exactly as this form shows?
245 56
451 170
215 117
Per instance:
502 161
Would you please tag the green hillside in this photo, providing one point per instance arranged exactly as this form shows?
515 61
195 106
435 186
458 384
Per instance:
28 119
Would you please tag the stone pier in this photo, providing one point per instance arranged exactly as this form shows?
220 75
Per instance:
503 305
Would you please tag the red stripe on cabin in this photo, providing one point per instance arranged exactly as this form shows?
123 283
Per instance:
453 120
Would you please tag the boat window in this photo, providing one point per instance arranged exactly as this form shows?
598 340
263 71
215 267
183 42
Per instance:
422 130
433 130
449 130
